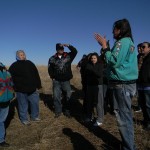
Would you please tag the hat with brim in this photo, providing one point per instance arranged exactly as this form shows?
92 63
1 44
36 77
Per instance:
59 47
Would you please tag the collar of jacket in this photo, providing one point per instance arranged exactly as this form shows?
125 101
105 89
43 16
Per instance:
64 54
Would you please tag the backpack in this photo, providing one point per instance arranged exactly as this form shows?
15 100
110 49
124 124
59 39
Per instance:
6 85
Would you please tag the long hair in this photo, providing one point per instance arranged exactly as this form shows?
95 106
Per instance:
94 54
124 27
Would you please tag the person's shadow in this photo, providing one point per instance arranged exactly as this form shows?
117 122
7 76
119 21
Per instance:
78 141
47 100
76 94
111 142
76 106
13 104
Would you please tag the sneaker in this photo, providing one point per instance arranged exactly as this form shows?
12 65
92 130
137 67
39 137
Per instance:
27 123
36 119
138 110
97 124
4 144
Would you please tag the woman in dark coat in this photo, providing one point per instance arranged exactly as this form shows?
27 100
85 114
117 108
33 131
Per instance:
94 94
26 82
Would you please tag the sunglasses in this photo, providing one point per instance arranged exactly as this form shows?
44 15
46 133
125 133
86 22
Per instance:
143 46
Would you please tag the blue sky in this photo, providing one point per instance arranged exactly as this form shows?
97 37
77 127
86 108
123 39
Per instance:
37 25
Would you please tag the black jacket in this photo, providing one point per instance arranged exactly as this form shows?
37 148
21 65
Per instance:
60 68
144 72
25 76
94 73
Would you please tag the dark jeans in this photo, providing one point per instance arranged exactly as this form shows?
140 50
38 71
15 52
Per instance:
138 99
108 100
95 98
144 97
122 96
58 87
84 101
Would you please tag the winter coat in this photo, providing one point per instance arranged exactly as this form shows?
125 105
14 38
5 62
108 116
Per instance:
25 76
60 68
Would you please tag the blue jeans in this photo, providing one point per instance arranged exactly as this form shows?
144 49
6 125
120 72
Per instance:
24 99
3 116
144 97
58 86
122 97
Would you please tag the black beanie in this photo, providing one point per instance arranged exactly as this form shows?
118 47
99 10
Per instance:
58 47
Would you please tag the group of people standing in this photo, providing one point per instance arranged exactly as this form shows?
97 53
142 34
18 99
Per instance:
119 65
26 82
125 74
143 82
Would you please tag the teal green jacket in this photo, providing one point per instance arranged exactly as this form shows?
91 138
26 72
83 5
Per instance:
122 61
6 86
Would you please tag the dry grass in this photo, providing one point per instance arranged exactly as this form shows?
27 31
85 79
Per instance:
64 133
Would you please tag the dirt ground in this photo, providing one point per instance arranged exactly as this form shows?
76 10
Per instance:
68 133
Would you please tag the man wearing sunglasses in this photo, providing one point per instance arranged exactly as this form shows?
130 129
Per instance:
144 85
140 60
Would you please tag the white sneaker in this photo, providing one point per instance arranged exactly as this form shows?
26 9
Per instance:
138 110
27 123
96 124
36 119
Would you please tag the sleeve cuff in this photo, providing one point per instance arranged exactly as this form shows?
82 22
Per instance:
105 50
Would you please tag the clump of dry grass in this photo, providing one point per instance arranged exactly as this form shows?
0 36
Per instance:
64 133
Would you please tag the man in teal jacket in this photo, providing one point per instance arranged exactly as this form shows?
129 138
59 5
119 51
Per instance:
122 73
122 61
